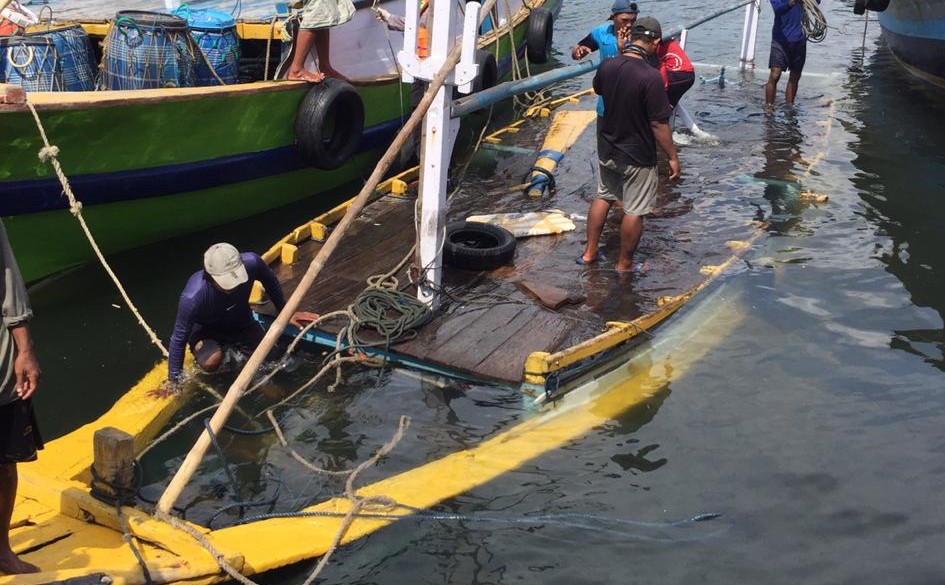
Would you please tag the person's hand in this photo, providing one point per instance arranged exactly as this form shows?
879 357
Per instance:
579 52
381 14
167 388
27 373
674 169
623 38
301 318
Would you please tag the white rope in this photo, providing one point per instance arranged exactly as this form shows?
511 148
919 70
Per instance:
49 154
813 21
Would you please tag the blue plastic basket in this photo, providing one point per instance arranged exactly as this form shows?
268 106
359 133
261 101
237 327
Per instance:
215 33
76 57
30 62
147 50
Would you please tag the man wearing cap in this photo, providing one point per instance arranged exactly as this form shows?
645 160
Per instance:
788 49
213 312
635 122
603 38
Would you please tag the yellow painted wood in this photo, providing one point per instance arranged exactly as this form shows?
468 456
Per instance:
258 293
566 128
288 253
598 402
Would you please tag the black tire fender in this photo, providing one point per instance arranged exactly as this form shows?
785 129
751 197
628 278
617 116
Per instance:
488 74
539 35
472 245
329 124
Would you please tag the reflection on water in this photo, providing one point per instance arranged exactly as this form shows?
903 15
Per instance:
901 166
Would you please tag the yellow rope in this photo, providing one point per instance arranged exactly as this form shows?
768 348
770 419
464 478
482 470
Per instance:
49 154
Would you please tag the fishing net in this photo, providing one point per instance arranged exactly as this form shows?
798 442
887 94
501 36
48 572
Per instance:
76 58
30 62
147 50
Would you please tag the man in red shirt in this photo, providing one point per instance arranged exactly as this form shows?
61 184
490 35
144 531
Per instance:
676 69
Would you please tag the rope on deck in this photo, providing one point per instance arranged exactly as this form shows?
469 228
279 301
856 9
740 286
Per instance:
50 154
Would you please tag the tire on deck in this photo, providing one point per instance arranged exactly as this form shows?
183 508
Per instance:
539 35
329 124
472 245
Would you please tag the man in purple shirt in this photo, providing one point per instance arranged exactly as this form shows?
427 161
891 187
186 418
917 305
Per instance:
214 311
788 48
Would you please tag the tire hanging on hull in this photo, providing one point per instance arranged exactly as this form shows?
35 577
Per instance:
329 124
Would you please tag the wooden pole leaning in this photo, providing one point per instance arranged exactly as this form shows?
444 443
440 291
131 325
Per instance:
195 456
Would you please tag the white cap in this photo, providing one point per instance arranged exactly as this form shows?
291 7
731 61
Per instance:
223 263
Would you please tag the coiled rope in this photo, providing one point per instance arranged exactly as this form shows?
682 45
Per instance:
813 21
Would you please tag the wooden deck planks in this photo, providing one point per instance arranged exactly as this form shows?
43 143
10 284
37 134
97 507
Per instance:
489 341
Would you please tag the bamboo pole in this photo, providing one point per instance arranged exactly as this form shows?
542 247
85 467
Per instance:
189 466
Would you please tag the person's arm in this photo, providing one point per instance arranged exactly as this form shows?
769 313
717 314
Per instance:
664 139
25 365
584 47
782 6
182 327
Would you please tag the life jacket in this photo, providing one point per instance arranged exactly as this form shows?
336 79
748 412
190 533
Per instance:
423 32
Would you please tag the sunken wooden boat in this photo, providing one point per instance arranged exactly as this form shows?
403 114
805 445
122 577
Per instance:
155 163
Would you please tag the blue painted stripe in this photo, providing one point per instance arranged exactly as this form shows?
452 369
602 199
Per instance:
923 29
36 195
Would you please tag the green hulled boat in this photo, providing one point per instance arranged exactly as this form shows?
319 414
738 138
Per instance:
151 164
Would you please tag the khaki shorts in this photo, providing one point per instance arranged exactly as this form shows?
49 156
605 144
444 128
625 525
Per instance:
636 186
326 13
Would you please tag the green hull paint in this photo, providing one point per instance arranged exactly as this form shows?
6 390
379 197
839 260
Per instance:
121 226
140 134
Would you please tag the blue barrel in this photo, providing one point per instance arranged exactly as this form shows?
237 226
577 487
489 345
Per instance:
147 50
30 62
76 57
214 33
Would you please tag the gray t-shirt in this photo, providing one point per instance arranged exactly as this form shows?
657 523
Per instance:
16 310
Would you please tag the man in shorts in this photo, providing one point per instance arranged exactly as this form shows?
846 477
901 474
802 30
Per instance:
214 315
788 49
318 16
19 376
635 122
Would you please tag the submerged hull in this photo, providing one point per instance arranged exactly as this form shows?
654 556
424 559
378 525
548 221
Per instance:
915 33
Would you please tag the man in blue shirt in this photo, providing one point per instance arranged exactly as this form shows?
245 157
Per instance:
214 311
603 38
788 48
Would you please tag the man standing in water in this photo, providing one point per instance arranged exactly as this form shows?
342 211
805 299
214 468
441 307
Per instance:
788 49
635 122
603 38
214 313
19 376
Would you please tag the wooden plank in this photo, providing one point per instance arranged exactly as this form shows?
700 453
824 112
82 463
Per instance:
552 297
544 332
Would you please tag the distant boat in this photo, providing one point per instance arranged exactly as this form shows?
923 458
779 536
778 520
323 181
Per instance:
915 33
152 164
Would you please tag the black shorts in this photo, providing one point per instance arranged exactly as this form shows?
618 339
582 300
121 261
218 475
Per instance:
19 433
788 56
679 83
244 340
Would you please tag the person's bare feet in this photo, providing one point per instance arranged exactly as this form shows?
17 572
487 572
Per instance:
331 72
10 564
305 75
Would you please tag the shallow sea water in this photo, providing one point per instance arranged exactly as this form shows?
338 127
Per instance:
809 415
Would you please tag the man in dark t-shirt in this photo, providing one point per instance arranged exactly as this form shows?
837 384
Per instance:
214 313
635 122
